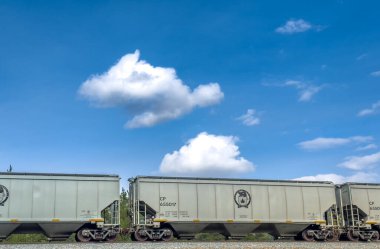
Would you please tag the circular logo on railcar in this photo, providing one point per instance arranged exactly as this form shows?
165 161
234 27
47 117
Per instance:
4 194
242 198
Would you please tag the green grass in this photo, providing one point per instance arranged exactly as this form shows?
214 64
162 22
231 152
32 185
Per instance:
32 239
26 238
258 237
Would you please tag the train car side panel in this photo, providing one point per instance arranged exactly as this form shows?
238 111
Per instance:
260 208
187 204
294 203
206 202
66 204
277 204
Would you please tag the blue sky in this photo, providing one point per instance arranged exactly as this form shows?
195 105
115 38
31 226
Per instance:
256 89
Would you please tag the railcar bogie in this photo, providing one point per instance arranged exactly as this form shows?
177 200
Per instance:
150 233
92 233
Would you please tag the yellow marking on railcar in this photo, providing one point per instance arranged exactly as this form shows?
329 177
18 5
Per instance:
160 220
371 222
96 220
320 222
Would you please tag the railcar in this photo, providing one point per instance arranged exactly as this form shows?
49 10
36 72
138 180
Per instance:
59 205
161 208
359 208
167 207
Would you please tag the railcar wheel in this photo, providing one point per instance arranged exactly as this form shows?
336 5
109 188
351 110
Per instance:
168 235
352 237
375 236
83 236
111 238
133 237
140 235
307 236
333 236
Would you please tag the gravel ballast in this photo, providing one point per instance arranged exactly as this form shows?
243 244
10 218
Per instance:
200 245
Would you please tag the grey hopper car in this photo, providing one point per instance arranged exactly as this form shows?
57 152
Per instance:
359 208
163 207
59 205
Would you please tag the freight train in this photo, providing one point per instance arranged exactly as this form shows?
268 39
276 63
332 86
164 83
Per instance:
161 208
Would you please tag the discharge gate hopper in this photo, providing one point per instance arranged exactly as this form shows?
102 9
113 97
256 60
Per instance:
59 205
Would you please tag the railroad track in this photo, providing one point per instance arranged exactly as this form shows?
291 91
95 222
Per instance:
200 245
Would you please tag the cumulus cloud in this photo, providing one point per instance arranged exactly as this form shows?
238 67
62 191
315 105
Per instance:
250 118
150 94
206 154
294 26
306 91
374 109
361 162
321 143
338 179
375 74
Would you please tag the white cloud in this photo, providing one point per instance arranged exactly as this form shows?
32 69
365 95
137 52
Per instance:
306 91
293 26
361 162
375 74
361 57
250 118
151 94
362 177
206 154
338 179
367 147
321 143
322 177
375 108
